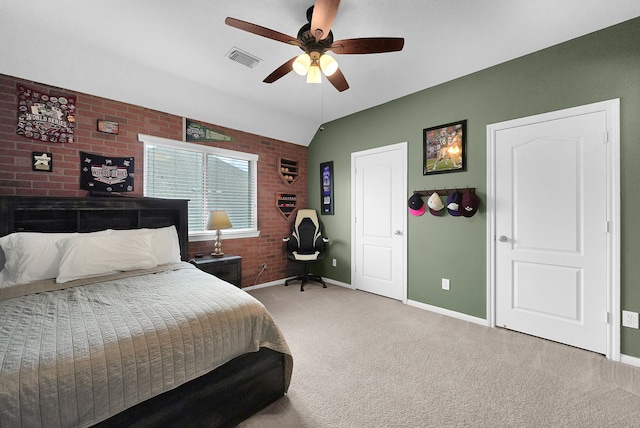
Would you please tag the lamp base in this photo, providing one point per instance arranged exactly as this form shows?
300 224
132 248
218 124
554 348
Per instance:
217 246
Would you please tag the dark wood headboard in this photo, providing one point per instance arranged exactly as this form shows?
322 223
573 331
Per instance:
60 214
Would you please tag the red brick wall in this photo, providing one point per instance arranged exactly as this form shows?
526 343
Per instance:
17 178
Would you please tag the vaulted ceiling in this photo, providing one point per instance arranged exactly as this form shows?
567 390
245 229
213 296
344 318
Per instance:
172 56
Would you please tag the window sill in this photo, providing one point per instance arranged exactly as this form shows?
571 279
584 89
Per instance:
211 235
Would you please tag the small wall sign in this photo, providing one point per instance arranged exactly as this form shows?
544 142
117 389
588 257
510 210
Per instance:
108 127
198 132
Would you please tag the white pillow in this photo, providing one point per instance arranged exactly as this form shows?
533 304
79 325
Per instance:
5 280
164 242
32 256
86 256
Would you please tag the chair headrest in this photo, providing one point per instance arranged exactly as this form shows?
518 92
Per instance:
307 213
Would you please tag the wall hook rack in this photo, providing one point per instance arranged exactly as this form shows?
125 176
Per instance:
444 191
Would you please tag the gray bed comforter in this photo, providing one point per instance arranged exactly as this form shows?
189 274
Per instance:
75 354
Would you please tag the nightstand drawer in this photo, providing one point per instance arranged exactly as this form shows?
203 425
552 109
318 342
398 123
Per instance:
227 268
228 271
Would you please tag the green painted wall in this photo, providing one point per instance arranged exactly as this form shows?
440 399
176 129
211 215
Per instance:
597 67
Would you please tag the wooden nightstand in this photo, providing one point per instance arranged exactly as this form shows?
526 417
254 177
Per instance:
227 267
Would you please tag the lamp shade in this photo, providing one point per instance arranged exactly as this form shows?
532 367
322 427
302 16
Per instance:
328 64
218 219
301 64
313 76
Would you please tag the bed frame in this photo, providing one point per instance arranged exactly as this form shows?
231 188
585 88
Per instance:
221 398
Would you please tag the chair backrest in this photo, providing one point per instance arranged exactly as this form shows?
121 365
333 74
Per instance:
307 232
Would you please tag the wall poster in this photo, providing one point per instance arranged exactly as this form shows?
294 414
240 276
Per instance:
106 174
45 117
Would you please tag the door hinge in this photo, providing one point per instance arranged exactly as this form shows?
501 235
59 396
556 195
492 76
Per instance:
606 137
608 317
607 228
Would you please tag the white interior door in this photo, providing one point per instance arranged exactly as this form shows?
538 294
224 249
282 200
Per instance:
553 225
379 210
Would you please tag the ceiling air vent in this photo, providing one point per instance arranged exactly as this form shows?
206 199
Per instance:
243 57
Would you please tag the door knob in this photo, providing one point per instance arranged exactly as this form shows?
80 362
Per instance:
398 233
503 238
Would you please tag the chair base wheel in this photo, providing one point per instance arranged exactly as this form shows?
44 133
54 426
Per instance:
306 278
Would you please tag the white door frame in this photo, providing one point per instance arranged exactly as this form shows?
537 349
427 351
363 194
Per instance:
403 147
612 109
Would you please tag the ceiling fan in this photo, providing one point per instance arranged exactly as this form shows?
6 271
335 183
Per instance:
316 38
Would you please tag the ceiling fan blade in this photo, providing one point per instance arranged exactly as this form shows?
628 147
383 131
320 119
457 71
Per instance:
262 31
280 71
338 81
368 45
324 12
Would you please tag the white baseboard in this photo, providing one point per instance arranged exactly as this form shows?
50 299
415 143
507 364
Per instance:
448 313
264 284
281 281
341 284
632 361
625 359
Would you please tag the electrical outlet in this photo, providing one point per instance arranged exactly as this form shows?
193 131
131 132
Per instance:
264 266
335 263
445 284
630 319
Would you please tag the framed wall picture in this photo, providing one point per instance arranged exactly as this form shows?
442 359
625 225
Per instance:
41 161
326 188
445 148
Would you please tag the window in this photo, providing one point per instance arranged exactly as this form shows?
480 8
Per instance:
210 177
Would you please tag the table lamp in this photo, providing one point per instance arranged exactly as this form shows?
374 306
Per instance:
218 219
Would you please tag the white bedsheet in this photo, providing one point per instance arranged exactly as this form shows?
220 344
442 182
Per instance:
76 355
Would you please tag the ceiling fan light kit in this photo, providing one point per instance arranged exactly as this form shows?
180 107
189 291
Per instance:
315 38
306 64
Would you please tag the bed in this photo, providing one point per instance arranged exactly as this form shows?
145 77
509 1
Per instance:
122 331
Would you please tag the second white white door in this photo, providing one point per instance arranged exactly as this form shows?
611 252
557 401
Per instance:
379 211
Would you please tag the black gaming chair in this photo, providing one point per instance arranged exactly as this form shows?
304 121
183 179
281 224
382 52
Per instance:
306 245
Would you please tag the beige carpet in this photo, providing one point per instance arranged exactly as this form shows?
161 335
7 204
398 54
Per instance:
362 360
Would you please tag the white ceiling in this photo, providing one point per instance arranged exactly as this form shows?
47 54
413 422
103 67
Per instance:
171 55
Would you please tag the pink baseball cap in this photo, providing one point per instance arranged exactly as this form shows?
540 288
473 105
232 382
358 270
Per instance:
416 206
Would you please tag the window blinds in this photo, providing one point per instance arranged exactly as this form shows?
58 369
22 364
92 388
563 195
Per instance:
210 181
